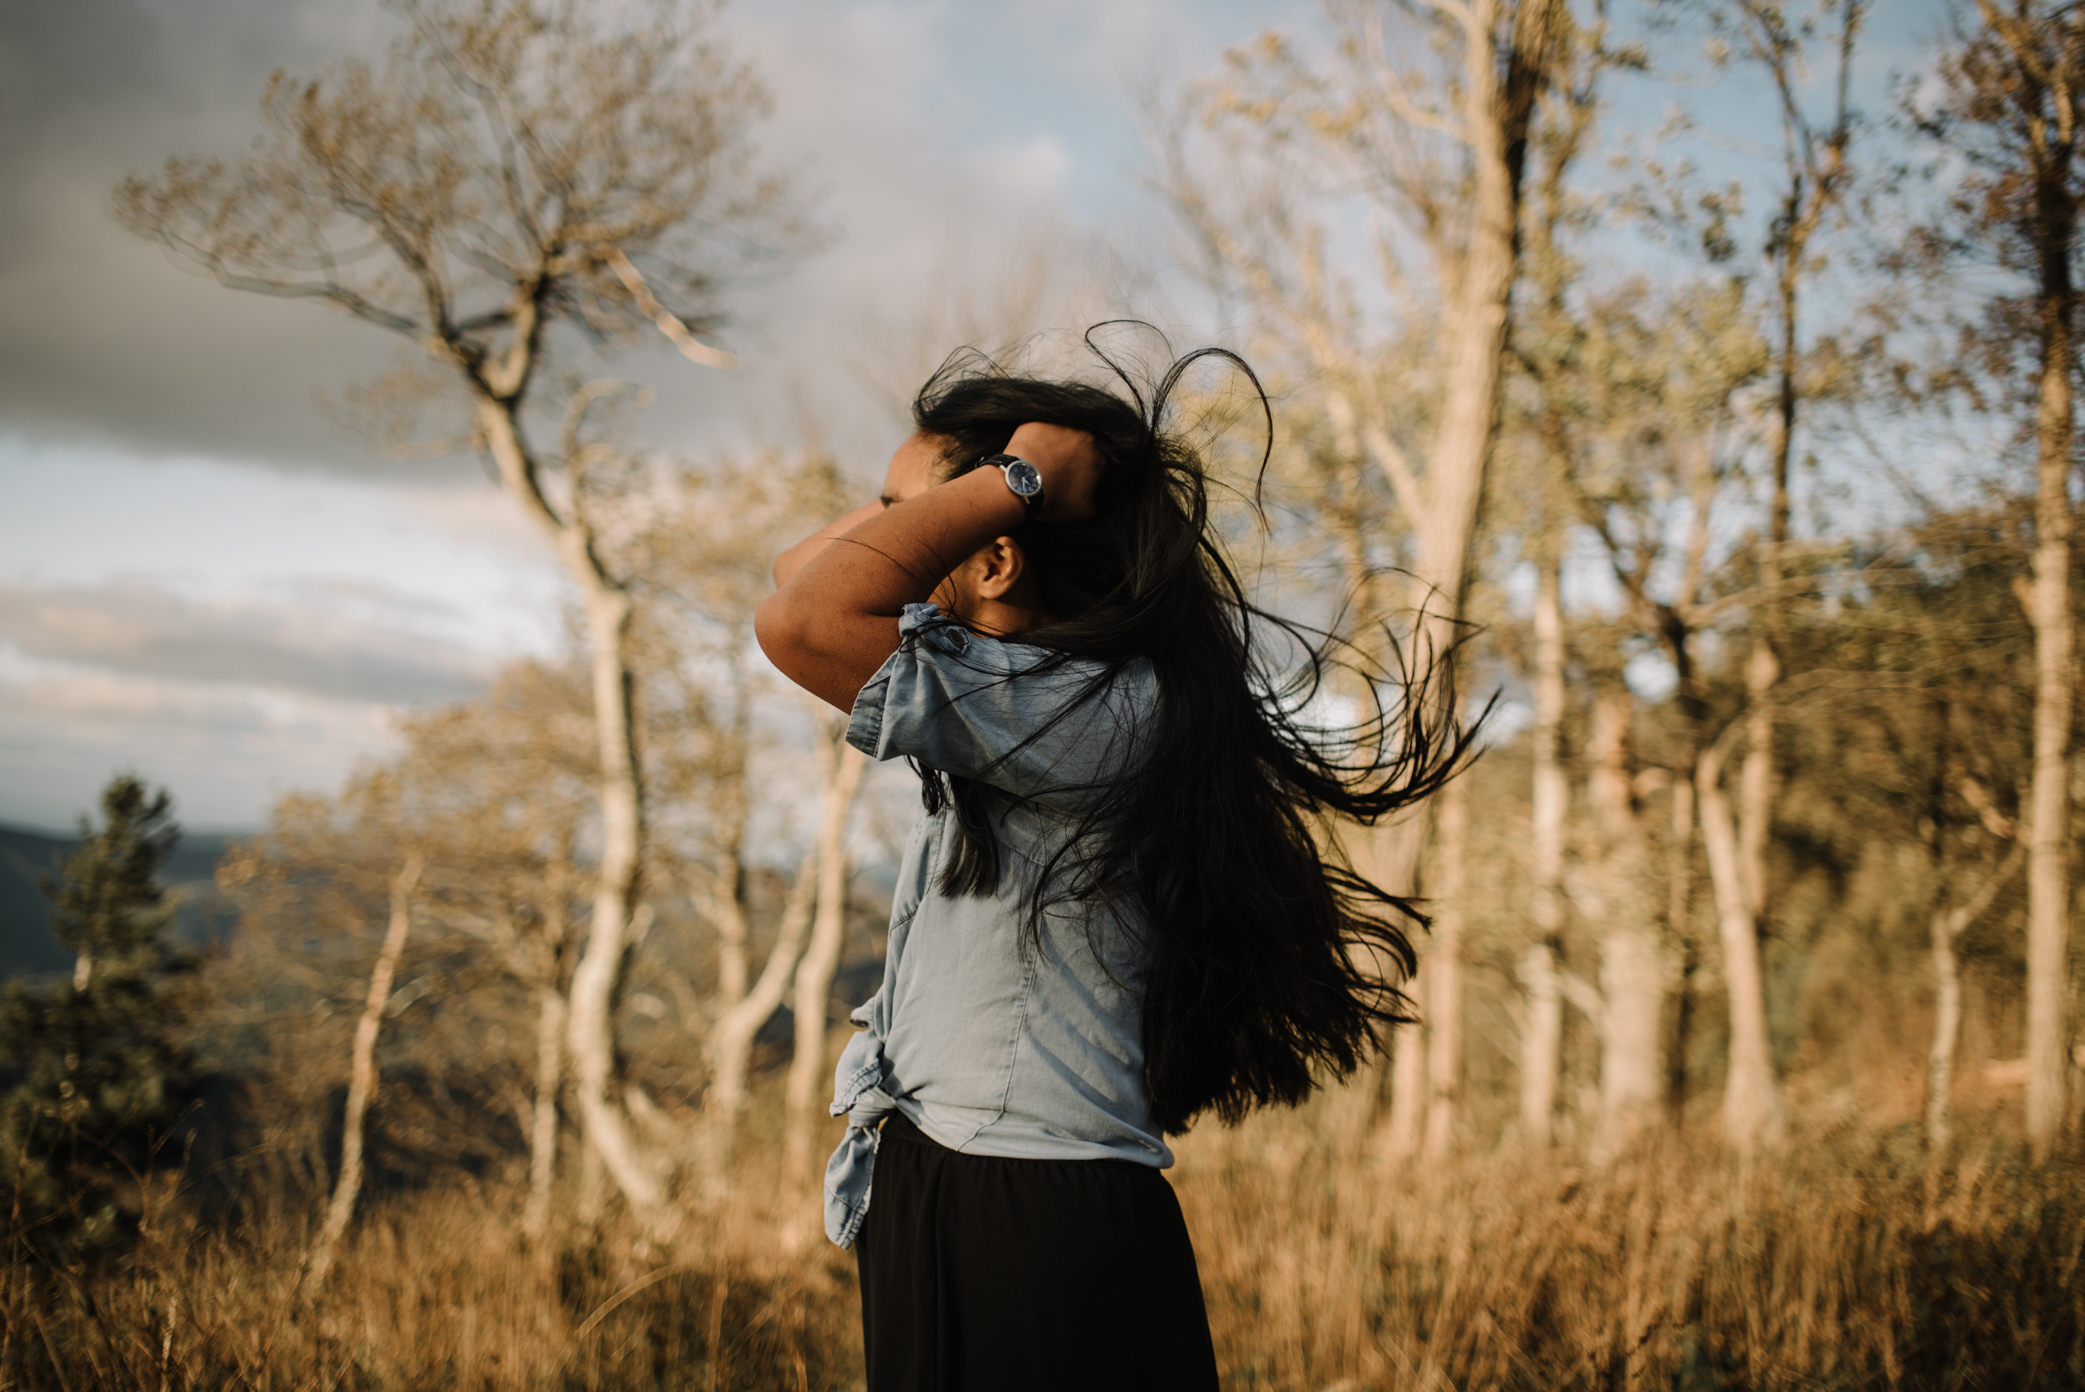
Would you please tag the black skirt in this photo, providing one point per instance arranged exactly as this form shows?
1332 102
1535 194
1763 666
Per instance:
983 1274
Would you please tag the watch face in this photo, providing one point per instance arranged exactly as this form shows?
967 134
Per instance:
1023 478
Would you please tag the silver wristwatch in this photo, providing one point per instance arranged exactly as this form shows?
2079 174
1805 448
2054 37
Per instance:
1023 479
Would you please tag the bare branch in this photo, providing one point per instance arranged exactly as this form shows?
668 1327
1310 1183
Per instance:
1385 454
336 295
676 332
1391 84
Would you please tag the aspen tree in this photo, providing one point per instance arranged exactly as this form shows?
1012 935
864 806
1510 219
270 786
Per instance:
1442 145
1627 1008
843 765
1545 341
704 555
1815 176
1663 380
347 1186
499 790
2008 106
517 183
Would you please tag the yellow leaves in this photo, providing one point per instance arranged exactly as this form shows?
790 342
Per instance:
240 865
1339 123
1229 101
409 190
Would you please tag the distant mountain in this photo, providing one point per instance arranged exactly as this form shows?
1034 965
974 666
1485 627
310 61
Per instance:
201 914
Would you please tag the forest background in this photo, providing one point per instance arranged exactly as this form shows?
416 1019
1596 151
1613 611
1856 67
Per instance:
1705 370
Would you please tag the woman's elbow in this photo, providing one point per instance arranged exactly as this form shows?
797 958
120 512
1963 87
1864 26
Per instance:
779 628
827 654
786 565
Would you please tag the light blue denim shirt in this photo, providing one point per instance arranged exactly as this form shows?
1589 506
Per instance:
989 1044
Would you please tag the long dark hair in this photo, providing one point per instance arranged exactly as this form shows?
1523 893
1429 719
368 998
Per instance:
1268 956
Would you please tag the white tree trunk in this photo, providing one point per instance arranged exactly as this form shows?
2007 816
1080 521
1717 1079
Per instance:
1947 1028
1628 1009
590 1020
1610 790
720 892
1756 774
1632 991
550 1075
1542 1026
598 978
725 908
362 1075
2048 855
1472 341
1399 1139
1947 925
1752 1115
731 1038
814 974
2038 87
1541 1044
1444 972
1679 927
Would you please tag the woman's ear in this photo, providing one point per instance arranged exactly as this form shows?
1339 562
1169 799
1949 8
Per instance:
1000 566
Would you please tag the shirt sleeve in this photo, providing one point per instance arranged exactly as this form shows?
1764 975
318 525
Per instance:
1001 713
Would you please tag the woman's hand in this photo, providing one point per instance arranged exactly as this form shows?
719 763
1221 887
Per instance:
1069 463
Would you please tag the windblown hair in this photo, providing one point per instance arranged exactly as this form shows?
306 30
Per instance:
1268 957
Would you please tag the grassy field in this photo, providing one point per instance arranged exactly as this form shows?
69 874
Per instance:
1847 1261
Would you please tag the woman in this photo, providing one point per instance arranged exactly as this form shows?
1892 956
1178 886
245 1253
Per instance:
1116 914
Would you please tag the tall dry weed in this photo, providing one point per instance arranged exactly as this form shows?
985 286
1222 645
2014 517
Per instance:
438 1290
1846 1261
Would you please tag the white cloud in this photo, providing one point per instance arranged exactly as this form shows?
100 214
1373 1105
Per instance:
308 648
453 562
1034 169
1107 39
234 633
226 751
207 621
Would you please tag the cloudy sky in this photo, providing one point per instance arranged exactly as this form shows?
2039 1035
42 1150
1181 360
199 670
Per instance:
200 579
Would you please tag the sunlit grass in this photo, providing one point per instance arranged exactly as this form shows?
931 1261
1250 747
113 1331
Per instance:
1846 1261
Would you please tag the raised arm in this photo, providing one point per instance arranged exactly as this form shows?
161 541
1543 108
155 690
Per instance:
793 560
834 620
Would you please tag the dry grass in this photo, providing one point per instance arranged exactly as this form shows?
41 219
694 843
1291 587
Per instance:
1844 1262
437 1290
